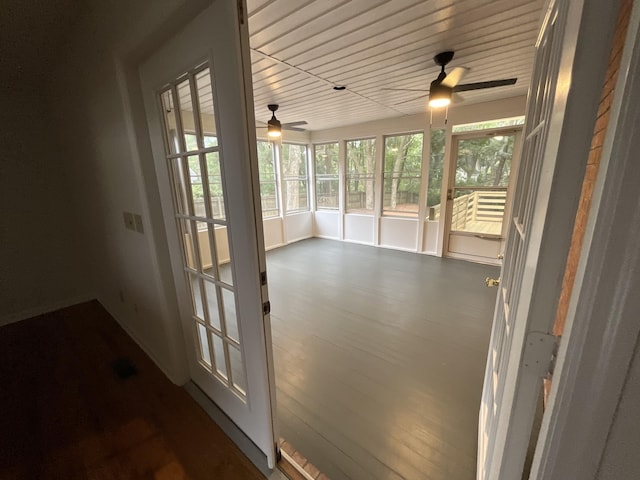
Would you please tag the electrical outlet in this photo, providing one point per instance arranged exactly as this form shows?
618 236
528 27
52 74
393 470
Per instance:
138 221
129 222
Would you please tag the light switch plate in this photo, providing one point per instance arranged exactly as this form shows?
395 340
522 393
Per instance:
129 222
138 221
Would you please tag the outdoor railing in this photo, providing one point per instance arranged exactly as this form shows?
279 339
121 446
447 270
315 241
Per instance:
478 206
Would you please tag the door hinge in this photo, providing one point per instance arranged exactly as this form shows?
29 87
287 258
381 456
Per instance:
540 351
241 11
266 308
263 278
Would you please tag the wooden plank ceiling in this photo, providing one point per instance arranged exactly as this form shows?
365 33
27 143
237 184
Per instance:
300 49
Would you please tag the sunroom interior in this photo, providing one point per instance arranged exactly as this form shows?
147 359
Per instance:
372 183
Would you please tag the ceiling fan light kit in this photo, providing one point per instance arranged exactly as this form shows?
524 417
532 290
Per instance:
445 87
439 95
274 127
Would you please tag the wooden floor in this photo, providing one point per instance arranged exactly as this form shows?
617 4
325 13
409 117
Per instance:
379 358
65 414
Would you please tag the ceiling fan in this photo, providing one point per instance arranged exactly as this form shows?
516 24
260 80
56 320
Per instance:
444 87
274 127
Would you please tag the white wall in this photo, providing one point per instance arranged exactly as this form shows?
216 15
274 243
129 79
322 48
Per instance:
102 123
40 239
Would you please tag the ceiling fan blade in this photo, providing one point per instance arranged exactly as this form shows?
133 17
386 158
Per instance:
454 77
404 90
293 129
480 85
293 124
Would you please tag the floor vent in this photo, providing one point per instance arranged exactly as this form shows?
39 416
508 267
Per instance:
124 368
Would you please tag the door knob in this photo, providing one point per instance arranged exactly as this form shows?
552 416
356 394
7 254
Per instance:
492 282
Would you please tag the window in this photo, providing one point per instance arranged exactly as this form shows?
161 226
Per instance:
402 175
436 163
294 176
327 179
267 174
361 162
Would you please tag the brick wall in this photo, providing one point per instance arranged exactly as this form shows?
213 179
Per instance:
593 163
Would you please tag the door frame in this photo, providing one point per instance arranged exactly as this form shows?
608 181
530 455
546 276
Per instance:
601 329
452 158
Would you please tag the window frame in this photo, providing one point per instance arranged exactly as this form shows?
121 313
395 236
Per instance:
326 177
261 181
295 178
348 176
417 176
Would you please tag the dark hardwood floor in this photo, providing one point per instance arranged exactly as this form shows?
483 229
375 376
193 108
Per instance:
379 358
65 414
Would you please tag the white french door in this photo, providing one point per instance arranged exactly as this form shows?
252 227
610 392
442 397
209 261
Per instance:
521 344
198 113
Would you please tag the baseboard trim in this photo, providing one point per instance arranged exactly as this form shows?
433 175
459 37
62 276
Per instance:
273 247
41 310
136 338
298 239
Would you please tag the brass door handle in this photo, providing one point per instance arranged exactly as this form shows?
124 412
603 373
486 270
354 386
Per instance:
492 282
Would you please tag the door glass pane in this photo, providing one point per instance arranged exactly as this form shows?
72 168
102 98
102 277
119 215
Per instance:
212 304
186 114
237 369
224 255
230 317
197 190
214 175
218 351
187 234
478 211
168 107
205 354
484 161
179 184
204 246
196 296
207 114
483 166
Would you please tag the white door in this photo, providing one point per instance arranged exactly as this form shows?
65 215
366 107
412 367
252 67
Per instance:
521 345
198 112
479 193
